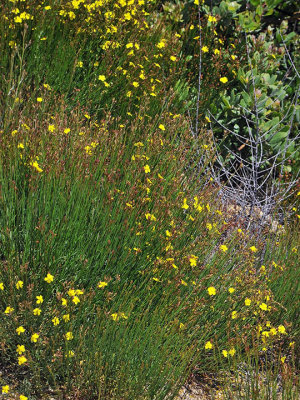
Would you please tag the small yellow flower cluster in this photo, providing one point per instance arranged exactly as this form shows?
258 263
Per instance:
117 316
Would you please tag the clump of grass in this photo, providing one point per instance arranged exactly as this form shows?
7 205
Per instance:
104 279
119 271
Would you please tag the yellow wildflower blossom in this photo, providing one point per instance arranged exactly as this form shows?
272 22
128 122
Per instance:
211 291
55 321
8 310
5 389
185 206
20 330
34 337
19 284
102 284
22 360
69 336
208 345
20 349
224 79
49 278
247 302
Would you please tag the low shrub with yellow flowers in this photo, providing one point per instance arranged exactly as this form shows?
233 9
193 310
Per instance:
119 272
114 268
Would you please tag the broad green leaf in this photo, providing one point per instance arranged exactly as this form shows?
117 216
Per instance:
280 136
233 6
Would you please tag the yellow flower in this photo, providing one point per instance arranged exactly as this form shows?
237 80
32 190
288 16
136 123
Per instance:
22 397
161 44
234 314
281 329
139 144
123 315
208 345
232 351
66 317
8 310
1 286
39 299
211 291
225 353
193 260
283 359
34 337
37 311
146 169
162 127
55 321
20 349
5 389
172 58
207 119
20 330
224 79
22 360
263 306
19 284
183 282
39 99
253 249
20 146
212 19
115 316
216 51
71 292
70 354
102 284
135 84
273 331
247 302
205 49
64 302
76 300
49 278
67 130
231 290
18 20
185 206
69 336
224 248
51 128
36 166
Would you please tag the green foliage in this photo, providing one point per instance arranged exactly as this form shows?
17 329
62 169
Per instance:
117 261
